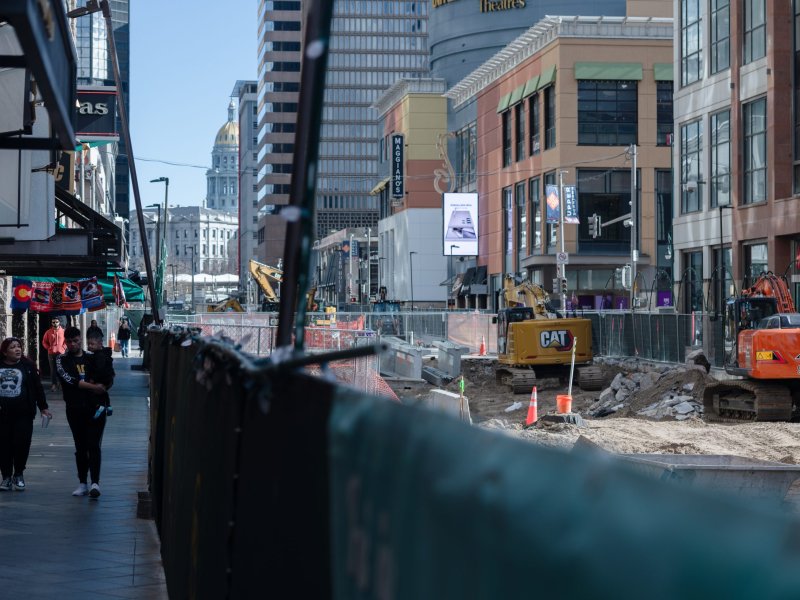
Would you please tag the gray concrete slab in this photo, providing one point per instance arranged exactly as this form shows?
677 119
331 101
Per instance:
54 545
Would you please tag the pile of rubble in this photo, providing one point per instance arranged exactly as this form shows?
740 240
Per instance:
655 391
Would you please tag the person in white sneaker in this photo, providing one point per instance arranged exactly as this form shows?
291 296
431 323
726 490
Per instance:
80 397
21 392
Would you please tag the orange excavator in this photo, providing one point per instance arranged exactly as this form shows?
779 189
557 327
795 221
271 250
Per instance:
761 345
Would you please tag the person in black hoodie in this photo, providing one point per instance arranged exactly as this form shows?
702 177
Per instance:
21 392
81 399
100 369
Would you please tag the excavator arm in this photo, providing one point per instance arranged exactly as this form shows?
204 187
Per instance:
262 274
772 286
525 294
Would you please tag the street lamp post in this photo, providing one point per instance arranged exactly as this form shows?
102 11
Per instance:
450 273
411 274
166 218
174 281
193 251
158 232
721 265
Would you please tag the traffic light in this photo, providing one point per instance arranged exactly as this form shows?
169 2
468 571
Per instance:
563 285
595 223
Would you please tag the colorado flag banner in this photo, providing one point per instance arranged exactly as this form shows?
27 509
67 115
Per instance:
64 297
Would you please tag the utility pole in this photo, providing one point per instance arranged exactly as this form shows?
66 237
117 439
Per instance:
634 222
562 268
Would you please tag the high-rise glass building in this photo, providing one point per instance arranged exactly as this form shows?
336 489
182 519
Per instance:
279 57
373 44
247 93
95 68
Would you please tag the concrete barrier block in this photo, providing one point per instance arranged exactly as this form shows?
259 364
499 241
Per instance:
449 403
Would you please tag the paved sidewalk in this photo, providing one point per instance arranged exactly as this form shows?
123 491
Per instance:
54 545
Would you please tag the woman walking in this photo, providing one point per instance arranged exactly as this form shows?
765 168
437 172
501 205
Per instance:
21 392
124 335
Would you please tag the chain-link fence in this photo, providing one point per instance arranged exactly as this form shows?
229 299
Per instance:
661 336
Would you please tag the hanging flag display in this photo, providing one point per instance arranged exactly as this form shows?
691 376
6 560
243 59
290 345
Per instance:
571 205
553 204
68 298
119 292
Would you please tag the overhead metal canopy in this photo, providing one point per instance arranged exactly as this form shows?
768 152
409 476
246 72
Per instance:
94 247
36 39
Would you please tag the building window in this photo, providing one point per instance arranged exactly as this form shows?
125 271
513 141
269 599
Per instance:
506 138
519 121
691 51
664 113
693 267
691 147
522 220
720 35
508 226
606 193
756 262
607 113
720 191
533 105
755 30
755 151
664 225
536 215
550 117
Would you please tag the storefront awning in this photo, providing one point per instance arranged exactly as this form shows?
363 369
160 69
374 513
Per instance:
133 292
378 188
93 247
503 103
663 71
547 78
516 95
530 87
608 71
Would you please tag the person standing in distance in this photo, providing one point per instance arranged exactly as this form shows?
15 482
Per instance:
53 342
21 392
124 335
93 329
81 398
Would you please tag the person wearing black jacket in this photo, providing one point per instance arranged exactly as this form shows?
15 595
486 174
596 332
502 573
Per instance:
100 369
21 392
124 335
81 399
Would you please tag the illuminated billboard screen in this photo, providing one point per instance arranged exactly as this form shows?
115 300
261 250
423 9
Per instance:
460 224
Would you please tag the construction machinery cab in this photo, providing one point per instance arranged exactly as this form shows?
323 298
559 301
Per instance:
229 305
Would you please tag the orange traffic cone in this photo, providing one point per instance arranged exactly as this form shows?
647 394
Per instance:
533 409
111 341
482 350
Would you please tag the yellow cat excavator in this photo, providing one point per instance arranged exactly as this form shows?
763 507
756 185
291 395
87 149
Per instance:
534 339
262 274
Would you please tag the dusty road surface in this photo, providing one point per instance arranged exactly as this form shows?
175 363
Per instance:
622 432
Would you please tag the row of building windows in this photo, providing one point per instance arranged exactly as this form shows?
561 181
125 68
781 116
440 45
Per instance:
378 80
282 46
754 38
342 25
348 96
382 8
466 149
290 5
282 26
280 107
329 184
282 66
347 202
517 121
281 86
342 166
350 131
277 168
224 160
754 158
386 43
225 185
343 148
184 233
387 60
329 221
348 113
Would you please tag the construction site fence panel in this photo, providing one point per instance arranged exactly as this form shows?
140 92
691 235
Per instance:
271 482
659 336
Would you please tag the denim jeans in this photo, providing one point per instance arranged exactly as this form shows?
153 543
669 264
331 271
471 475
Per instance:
124 345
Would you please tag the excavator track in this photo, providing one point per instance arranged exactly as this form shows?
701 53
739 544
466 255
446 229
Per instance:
735 401
521 381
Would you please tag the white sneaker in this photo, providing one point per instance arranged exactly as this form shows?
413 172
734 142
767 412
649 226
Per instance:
81 490
94 492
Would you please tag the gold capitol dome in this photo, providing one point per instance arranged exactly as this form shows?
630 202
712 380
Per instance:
228 134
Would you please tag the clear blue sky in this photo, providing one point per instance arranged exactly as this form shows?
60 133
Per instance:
186 56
